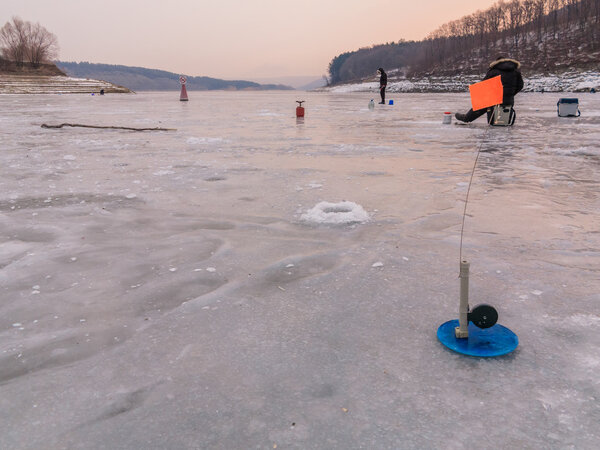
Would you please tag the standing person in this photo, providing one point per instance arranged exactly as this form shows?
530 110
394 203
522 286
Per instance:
382 84
512 83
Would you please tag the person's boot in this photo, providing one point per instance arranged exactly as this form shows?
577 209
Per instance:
461 117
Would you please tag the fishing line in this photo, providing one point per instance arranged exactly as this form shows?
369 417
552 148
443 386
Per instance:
476 332
462 228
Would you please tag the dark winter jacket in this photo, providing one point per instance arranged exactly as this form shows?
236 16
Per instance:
512 81
383 78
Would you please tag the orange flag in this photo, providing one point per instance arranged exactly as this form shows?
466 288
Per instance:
486 93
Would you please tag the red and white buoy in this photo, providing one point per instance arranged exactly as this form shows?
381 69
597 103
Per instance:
183 96
299 108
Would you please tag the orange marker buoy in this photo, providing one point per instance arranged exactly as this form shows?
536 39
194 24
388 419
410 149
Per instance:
183 97
299 108
486 93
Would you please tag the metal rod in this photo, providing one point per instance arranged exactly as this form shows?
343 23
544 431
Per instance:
462 331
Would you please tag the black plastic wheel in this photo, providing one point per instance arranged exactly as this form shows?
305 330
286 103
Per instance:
483 316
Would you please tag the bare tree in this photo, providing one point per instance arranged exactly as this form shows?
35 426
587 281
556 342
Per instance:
22 41
42 46
515 17
13 38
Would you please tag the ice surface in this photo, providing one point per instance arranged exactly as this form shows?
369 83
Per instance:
274 332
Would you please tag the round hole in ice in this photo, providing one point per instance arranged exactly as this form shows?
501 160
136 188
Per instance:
337 209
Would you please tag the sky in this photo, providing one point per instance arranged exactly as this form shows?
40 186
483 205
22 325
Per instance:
232 39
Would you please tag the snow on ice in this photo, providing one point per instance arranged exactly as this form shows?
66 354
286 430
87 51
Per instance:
344 212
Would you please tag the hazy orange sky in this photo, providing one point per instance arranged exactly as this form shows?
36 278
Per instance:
247 39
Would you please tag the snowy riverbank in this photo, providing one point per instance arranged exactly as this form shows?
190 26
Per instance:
41 84
565 82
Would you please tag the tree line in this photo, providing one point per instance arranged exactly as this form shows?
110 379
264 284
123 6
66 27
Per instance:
509 27
365 61
537 29
25 42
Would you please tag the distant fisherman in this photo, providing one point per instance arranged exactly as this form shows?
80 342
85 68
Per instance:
382 84
512 83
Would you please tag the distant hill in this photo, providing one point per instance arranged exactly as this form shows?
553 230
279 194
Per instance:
142 79
546 36
315 84
300 82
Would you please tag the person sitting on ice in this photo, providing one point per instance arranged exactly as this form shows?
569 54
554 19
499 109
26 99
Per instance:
512 83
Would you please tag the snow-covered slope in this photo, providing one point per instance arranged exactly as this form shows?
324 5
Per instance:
565 82
38 84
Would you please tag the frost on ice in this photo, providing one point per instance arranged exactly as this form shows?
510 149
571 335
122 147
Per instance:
336 213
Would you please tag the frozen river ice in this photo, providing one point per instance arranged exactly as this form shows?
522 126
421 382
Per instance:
180 289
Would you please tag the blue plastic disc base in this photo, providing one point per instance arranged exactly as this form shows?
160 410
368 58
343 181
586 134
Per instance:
485 343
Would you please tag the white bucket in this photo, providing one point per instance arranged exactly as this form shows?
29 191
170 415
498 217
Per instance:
447 118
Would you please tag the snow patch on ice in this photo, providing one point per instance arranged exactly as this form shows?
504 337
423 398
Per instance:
584 320
160 173
202 140
336 213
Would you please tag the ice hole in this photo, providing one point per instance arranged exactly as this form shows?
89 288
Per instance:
336 213
337 209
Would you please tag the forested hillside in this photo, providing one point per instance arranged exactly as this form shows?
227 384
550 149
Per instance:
364 62
142 79
547 36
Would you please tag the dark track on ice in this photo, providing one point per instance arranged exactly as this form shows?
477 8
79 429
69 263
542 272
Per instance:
106 127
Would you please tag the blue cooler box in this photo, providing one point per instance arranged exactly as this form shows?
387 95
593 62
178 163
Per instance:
568 107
